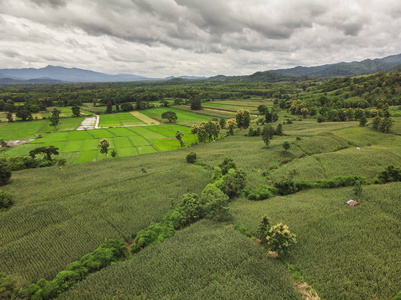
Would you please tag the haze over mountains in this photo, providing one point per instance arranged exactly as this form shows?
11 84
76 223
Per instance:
56 74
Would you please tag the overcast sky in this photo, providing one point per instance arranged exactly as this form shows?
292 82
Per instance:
195 37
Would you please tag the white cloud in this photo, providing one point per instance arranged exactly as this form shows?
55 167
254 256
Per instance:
195 37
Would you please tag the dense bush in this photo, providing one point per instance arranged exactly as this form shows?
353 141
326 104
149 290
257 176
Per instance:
232 183
215 203
18 163
286 187
227 164
12 287
262 193
5 172
389 174
127 107
109 252
6 200
191 157
254 132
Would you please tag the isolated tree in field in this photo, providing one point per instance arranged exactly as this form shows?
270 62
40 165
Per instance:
76 111
113 153
286 146
243 118
104 146
10 117
268 116
24 115
170 115
263 228
267 134
222 123
196 103
280 239
178 136
55 117
262 109
6 200
386 125
279 129
376 123
231 124
47 152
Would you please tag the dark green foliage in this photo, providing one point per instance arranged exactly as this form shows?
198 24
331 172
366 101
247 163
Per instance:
178 136
227 164
109 108
76 111
113 153
12 287
243 118
254 132
5 173
267 134
262 109
242 229
170 115
107 253
262 193
154 234
215 203
9 117
386 124
24 115
335 182
47 152
279 130
196 103
263 229
61 162
286 187
18 163
286 146
222 123
397 297
389 174
363 120
127 107
191 157
320 118
376 123
6 200
232 183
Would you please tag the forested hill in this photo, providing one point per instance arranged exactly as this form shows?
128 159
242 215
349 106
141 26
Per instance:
367 66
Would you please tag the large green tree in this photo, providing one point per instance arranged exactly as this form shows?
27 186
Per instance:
170 115
47 152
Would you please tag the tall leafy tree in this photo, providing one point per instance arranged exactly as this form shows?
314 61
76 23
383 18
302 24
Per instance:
104 146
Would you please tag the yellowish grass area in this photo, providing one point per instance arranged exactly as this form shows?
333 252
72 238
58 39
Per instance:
143 118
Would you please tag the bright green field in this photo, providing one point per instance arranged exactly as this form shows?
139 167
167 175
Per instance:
21 130
204 261
183 116
82 146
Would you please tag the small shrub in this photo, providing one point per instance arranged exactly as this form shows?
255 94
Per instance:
6 199
286 187
191 157
389 174
264 192
280 239
263 229
397 297
242 229
61 162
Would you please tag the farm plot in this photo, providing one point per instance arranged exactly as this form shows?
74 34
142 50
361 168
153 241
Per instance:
183 116
231 267
56 219
128 119
109 120
20 130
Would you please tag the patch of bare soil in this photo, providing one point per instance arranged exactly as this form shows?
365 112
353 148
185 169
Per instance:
306 290
14 143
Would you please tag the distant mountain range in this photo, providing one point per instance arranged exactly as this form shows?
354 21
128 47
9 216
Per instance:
54 75
368 66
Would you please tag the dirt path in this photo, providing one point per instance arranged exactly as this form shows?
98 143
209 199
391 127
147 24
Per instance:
147 120
13 143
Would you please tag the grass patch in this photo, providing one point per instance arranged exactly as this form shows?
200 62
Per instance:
109 120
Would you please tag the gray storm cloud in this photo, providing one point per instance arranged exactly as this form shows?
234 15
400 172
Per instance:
195 37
